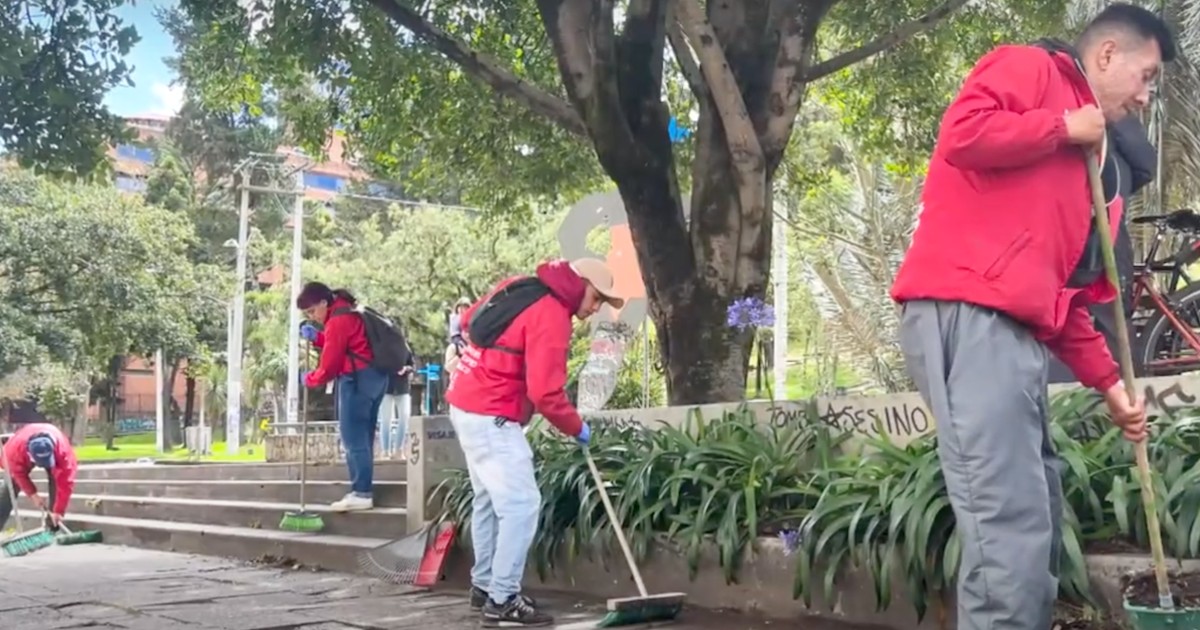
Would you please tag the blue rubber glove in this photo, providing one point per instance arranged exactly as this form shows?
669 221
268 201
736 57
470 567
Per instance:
585 435
308 332
303 376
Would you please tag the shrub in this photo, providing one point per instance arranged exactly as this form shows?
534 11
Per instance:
728 480
724 480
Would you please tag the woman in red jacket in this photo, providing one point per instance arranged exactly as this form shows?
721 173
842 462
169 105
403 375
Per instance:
346 358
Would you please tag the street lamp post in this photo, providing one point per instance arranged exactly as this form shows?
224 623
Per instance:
233 411
293 365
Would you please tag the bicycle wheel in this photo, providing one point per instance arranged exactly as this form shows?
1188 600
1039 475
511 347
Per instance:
1164 352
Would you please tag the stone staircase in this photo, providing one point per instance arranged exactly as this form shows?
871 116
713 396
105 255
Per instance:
233 510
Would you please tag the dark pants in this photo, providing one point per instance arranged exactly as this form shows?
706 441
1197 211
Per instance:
359 396
6 502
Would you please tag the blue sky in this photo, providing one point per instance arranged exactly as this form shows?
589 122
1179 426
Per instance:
152 92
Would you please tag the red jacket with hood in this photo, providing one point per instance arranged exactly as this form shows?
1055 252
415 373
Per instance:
16 454
1007 207
342 335
495 382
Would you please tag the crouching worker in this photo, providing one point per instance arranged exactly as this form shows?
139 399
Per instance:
515 362
43 446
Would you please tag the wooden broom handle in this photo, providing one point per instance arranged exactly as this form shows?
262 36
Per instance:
1125 360
616 523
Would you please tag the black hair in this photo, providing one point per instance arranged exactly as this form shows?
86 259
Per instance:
1132 19
314 293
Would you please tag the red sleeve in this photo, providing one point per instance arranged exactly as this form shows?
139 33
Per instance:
64 477
19 468
1084 350
319 342
996 122
546 352
335 342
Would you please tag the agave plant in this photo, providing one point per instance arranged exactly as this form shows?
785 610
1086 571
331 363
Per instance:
722 482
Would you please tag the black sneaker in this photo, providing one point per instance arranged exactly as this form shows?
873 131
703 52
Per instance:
517 612
479 597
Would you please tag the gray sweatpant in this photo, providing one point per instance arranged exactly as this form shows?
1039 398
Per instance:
983 376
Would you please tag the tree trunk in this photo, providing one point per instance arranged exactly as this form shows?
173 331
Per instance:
112 399
189 400
171 424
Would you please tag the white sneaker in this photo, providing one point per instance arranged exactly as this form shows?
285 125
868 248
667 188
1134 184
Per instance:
353 503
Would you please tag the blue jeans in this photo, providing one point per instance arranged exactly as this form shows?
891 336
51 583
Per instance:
507 500
393 421
359 396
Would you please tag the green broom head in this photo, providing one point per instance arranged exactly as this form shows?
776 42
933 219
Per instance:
630 611
302 522
81 538
27 543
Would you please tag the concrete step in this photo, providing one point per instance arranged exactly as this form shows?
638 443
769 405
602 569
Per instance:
387 470
387 493
376 523
328 551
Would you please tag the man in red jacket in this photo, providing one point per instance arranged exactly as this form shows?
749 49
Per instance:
515 363
1001 268
43 446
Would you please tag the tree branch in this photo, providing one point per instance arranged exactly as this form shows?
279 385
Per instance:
485 68
797 33
640 66
727 96
687 62
900 34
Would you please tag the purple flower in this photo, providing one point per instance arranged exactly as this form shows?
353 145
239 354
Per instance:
790 539
749 312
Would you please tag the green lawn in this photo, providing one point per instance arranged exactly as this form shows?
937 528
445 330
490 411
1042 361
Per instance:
139 445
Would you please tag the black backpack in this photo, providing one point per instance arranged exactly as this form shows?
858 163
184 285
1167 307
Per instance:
498 313
388 345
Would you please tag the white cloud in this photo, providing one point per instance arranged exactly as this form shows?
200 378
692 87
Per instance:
168 98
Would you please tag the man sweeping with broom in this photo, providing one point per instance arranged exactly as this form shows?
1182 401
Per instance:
516 362
42 446
1002 266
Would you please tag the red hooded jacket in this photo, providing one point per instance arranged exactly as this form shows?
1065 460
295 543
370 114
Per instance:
16 454
1007 207
342 335
508 384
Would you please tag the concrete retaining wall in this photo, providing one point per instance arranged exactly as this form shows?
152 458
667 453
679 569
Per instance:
765 582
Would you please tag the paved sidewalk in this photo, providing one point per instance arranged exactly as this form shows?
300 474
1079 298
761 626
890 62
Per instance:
101 587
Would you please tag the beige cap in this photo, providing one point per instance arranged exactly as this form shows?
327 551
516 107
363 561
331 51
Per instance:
600 277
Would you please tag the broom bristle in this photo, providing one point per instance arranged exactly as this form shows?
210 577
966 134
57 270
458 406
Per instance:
81 538
398 561
27 543
302 522
628 611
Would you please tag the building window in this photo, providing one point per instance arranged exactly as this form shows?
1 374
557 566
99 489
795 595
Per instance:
134 152
130 184
324 182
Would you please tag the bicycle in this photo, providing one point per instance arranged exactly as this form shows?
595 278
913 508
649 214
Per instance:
1166 323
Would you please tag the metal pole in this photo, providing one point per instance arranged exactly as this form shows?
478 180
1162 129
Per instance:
233 411
780 274
293 341
160 425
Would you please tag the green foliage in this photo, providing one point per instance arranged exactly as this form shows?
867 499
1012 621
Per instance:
57 62
87 272
893 103
884 510
412 114
424 262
